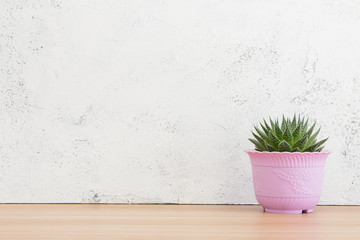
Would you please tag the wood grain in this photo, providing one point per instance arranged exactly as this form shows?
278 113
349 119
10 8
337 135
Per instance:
80 221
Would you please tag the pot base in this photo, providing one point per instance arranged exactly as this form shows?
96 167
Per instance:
288 211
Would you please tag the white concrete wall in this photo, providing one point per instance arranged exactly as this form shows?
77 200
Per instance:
144 101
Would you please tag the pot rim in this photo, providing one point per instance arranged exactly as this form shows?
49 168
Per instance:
327 152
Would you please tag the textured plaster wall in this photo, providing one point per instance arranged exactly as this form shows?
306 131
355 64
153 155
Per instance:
153 101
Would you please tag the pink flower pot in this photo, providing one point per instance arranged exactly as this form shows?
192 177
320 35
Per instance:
287 182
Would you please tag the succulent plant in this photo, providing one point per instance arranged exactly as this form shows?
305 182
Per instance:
289 136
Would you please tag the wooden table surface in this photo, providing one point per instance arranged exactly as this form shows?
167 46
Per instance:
83 221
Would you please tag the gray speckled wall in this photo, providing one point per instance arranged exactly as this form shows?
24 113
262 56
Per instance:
153 101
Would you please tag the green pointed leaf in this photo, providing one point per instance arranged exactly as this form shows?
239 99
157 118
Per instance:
297 150
305 126
303 131
312 139
274 141
270 148
311 129
306 122
319 149
266 131
301 143
259 139
322 142
311 148
261 134
266 125
278 131
257 144
283 123
296 133
289 124
288 136
284 146
293 123
272 123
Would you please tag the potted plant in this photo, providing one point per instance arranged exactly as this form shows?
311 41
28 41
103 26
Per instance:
288 165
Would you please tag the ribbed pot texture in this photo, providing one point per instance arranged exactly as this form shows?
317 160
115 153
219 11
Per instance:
287 182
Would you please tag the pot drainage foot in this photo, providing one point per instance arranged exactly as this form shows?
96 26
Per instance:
308 211
283 211
288 211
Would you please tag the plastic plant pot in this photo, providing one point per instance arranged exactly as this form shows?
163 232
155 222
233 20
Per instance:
288 182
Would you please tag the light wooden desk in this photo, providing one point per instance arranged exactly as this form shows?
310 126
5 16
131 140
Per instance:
172 222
